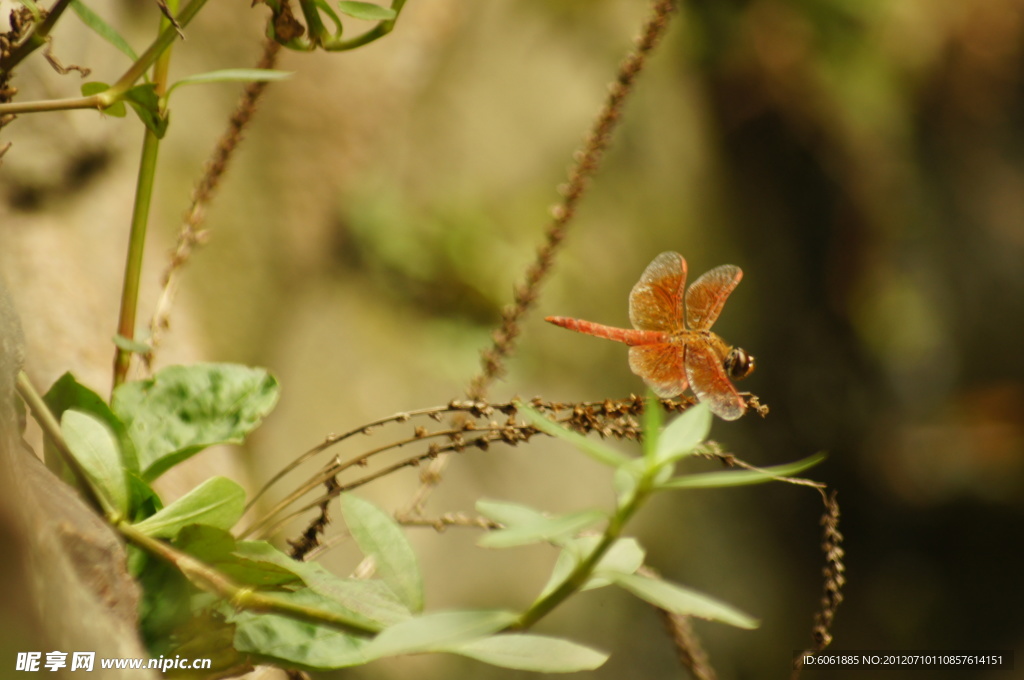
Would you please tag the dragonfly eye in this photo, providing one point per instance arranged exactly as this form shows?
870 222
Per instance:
738 364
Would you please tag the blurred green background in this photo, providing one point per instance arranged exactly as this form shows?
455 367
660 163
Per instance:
861 161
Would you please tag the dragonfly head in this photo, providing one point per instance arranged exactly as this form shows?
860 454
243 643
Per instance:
738 364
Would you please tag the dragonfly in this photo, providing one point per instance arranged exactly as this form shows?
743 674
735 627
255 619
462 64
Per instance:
671 345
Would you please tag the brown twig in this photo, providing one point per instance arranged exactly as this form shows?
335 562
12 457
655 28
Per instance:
192 234
452 519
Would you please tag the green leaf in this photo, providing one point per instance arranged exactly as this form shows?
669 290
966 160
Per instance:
117 109
679 600
546 529
662 475
94 446
524 651
166 594
367 600
509 514
245 75
566 561
133 346
218 548
205 543
440 630
381 538
367 604
707 480
205 635
67 393
595 449
624 556
367 11
93 87
103 29
267 558
294 642
325 7
184 409
144 501
217 502
146 103
260 575
684 433
370 601
626 480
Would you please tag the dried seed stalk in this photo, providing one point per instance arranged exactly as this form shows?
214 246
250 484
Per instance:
835 578
482 425
192 234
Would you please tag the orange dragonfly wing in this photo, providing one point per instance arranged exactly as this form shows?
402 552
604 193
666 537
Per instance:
656 301
707 296
661 367
709 382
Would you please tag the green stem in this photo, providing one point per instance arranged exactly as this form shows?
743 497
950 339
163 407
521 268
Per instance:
317 31
136 248
159 48
583 571
95 101
143 194
375 33
378 31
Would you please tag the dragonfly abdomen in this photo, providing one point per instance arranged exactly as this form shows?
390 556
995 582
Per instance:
629 336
